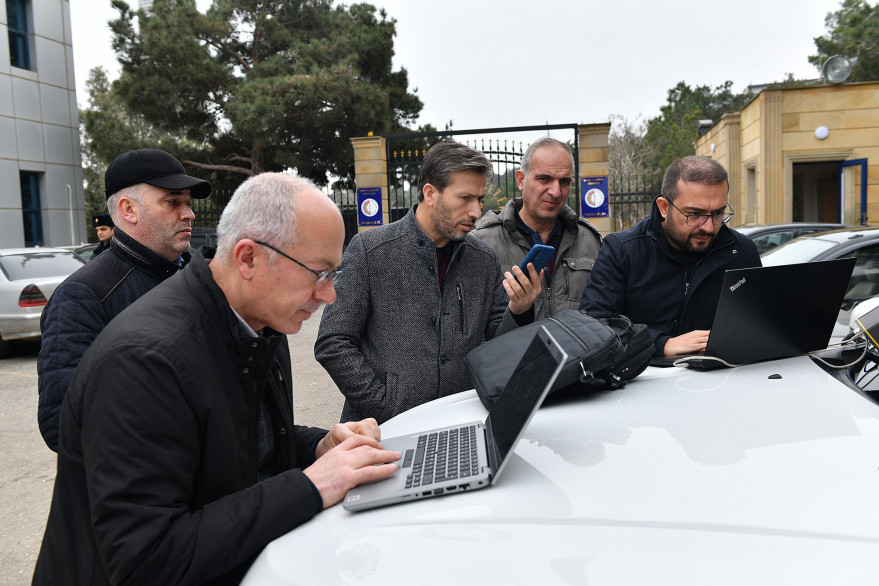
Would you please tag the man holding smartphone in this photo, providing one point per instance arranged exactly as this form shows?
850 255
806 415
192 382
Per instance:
542 216
418 294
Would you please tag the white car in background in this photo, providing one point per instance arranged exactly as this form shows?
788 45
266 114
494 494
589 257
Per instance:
761 474
28 277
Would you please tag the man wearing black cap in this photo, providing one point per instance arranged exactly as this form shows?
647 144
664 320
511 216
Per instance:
103 224
148 196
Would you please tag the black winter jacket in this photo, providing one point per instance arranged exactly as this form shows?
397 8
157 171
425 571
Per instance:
80 308
157 461
638 275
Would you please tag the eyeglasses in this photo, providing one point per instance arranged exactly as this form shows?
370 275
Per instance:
323 277
698 219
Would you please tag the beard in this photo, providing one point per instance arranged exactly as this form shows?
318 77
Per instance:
444 223
685 241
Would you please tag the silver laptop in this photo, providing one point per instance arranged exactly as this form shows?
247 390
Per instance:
466 457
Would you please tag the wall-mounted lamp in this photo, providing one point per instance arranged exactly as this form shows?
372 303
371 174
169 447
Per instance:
713 146
821 132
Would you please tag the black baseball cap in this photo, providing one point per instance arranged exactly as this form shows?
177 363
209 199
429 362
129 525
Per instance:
102 220
153 167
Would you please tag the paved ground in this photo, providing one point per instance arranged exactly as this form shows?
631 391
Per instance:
27 466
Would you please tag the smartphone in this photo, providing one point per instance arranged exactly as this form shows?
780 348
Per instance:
539 255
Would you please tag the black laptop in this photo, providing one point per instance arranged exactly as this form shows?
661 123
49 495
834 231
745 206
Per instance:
766 313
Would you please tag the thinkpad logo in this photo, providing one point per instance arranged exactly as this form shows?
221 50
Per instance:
737 285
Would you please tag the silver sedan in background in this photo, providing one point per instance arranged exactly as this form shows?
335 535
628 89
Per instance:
28 277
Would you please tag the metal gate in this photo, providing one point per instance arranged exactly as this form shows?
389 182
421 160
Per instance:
406 151
631 197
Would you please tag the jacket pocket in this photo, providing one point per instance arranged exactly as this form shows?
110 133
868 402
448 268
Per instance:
575 274
391 405
459 294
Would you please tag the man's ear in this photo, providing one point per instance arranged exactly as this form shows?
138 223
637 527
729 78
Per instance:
128 210
520 180
430 194
662 204
244 254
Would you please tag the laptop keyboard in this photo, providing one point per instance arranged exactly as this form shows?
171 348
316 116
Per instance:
445 455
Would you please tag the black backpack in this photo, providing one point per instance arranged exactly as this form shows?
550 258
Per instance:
603 353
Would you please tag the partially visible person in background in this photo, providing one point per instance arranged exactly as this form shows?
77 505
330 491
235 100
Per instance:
148 195
103 225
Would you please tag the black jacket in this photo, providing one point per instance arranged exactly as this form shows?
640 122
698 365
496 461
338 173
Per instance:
157 460
101 247
80 308
638 275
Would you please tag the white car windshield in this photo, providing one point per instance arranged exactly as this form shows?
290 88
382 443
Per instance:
796 251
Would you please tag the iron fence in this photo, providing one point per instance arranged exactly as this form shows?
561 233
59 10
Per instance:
406 151
208 210
631 197
343 193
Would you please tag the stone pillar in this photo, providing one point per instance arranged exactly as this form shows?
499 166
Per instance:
594 144
371 170
777 209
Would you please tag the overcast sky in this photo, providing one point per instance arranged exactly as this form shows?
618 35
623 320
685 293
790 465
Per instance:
488 63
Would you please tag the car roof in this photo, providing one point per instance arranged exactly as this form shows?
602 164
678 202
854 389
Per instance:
753 229
844 234
31 250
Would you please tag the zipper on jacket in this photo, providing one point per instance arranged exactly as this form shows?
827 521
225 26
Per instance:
460 305
695 268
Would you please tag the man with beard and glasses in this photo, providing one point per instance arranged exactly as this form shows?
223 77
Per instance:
418 294
666 271
148 197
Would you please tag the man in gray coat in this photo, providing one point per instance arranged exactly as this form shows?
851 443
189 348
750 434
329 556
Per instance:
419 293
542 216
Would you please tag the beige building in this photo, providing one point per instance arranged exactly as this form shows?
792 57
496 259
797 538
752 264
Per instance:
801 154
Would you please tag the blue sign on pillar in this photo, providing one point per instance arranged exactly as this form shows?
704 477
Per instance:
369 206
594 197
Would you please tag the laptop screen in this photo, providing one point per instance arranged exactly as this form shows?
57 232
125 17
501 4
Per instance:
523 393
778 311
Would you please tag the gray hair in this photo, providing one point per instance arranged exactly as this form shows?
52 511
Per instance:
446 157
546 141
132 192
692 169
262 208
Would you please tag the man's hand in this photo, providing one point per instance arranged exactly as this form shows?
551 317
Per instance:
686 344
521 288
358 459
342 431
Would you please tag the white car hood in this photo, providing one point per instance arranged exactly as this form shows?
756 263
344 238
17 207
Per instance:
722 477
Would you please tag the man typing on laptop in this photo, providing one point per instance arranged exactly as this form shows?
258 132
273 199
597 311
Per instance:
667 270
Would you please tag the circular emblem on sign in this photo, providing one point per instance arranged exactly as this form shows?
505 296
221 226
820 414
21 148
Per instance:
369 207
594 198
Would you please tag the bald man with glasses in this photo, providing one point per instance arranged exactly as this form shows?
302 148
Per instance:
667 270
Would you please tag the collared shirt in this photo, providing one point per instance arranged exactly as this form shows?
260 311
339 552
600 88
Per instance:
264 432
265 437
443 254
555 240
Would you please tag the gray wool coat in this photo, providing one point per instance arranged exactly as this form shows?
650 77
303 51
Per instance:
393 340
574 258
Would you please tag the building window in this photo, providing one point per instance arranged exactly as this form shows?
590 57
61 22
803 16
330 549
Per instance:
30 209
19 46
